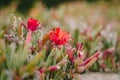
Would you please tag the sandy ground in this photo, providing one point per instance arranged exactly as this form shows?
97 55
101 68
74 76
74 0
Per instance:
100 76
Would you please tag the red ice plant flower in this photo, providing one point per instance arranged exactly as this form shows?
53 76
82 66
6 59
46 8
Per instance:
32 24
59 37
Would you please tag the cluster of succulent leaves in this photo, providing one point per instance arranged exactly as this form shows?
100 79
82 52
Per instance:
24 58
94 39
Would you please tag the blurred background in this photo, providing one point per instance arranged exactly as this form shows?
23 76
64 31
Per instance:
96 23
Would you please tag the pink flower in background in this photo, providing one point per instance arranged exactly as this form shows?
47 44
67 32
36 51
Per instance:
32 24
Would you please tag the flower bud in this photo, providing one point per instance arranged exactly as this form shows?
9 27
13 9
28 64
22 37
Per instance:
53 68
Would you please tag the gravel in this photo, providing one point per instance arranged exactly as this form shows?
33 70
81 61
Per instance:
100 76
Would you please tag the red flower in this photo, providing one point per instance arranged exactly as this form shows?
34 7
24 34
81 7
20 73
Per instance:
59 37
32 24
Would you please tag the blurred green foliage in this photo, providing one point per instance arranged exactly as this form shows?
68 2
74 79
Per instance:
53 3
25 5
5 3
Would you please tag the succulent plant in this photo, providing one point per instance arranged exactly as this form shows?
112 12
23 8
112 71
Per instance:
27 53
